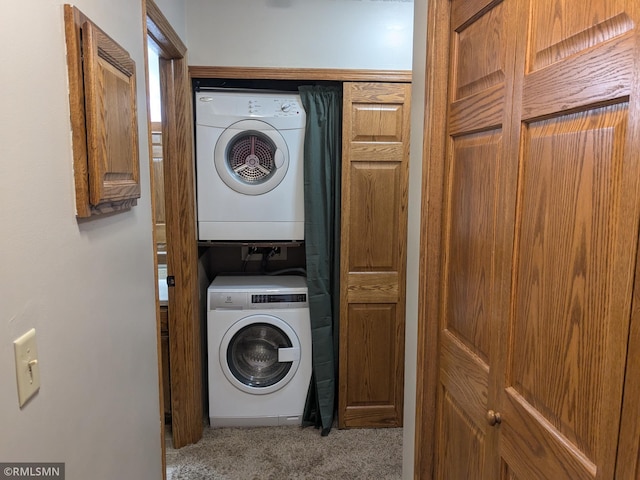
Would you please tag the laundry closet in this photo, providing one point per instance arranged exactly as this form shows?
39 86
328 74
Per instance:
249 191
238 265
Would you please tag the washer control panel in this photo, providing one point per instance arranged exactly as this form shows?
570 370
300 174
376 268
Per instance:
253 301
280 298
253 293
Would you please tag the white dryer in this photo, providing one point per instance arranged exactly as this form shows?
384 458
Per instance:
249 165
259 350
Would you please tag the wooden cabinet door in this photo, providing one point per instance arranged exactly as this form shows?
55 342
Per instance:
102 96
112 125
540 237
373 253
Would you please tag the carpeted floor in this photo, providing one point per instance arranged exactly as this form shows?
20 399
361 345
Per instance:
288 453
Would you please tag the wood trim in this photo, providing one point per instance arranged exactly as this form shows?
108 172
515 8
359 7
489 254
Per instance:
628 461
163 34
73 20
628 457
159 319
433 170
182 254
328 74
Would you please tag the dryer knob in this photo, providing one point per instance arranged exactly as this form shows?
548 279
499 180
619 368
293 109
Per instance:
285 107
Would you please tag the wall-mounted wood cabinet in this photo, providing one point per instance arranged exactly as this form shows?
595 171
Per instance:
102 94
373 253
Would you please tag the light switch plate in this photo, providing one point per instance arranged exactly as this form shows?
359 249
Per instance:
27 369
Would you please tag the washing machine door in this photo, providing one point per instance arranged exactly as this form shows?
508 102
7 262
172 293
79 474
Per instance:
260 354
251 157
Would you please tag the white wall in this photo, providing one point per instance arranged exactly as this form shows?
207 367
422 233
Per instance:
354 34
174 11
86 286
413 247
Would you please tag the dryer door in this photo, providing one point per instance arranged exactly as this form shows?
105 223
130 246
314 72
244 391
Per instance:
251 157
260 354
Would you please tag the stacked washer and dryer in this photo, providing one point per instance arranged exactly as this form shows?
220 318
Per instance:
249 167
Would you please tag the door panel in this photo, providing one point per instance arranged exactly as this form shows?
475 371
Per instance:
472 222
475 271
572 276
463 441
604 76
568 196
561 30
373 254
540 222
377 188
482 66
374 379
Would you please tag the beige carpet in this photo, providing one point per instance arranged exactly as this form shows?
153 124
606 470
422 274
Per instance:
284 453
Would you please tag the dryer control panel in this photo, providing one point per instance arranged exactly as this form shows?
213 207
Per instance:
282 110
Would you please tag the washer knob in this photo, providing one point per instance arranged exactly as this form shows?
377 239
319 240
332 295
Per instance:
285 107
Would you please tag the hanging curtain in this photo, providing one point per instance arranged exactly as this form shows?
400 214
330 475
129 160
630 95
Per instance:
322 150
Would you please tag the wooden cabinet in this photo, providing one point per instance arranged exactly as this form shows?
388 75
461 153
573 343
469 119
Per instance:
102 93
541 203
373 253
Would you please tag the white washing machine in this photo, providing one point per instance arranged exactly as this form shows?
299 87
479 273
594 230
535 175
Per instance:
249 165
259 349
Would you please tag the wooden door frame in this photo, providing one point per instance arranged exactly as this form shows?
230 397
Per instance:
430 270
182 253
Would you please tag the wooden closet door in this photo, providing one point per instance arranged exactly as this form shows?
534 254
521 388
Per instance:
479 194
373 253
540 230
576 106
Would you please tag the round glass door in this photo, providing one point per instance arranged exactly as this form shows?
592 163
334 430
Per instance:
260 354
251 157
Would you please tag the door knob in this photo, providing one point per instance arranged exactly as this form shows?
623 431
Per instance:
494 418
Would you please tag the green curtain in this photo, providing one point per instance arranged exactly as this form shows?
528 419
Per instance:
322 151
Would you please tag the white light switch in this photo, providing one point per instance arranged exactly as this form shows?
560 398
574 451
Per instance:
27 369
